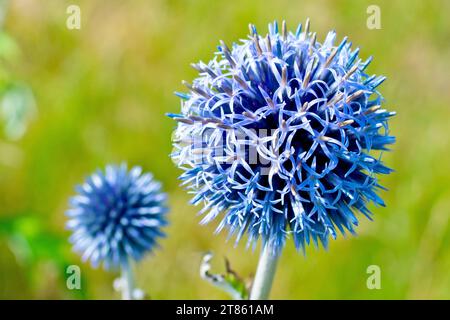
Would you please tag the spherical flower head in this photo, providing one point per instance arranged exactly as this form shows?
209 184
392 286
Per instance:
277 136
116 216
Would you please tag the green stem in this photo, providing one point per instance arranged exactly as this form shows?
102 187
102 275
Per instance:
264 274
127 281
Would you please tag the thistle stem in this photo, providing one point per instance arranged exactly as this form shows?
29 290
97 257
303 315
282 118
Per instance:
127 281
265 273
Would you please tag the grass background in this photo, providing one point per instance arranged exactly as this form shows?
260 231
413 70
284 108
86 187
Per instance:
102 92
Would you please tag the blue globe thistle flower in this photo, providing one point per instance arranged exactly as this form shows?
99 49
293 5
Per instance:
116 215
275 137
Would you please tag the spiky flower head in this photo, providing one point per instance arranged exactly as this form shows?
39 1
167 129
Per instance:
116 215
275 137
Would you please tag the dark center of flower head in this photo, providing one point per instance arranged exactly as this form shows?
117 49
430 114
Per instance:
276 133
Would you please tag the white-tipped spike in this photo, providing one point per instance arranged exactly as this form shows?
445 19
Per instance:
312 43
372 109
268 44
354 96
330 58
346 123
284 76
351 71
306 28
256 42
284 30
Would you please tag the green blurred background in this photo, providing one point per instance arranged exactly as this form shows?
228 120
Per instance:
100 95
